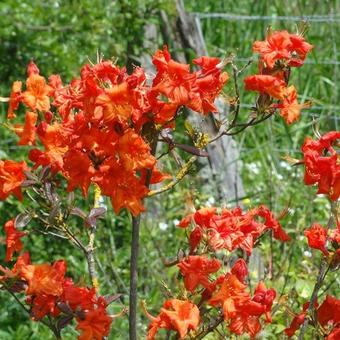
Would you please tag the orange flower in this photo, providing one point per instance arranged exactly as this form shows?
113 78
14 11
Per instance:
32 68
78 297
240 270
15 99
176 314
290 108
322 165
317 237
36 95
11 178
95 326
275 47
265 297
42 305
196 271
231 295
281 45
115 102
173 79
27 132
270 85
124 187
53 139
13 241
134 152
44 278
79 170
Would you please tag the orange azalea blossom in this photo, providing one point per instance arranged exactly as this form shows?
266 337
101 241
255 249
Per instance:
44 278
209 81
231 295
125 189
196 271
11 178
37 92
32 68
322 164
265 297
43 305
78 297
115 103
290 108
178 315
134 152
240 270
14 100
27 132
239 309
267 84
13 239
281 45
317 237
175 83
53 139
96 323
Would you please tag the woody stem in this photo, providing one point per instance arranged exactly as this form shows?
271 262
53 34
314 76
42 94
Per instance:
134 278
89 253
89 250
152 137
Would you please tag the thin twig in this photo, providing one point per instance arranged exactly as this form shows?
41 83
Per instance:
210 328
180 175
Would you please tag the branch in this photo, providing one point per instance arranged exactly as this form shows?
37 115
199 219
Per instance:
89 250
152 136
180 175
209 329
134 277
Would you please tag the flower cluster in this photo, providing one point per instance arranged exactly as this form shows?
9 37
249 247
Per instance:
322 164
322 167
327 318
228 291
209 288
231 229
92 130
50 293
277 54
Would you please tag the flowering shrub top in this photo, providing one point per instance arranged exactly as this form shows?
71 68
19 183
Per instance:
102 129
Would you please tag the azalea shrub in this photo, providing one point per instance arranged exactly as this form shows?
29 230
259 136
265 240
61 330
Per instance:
97 136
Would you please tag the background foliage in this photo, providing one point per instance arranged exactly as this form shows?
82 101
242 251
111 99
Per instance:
62 35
